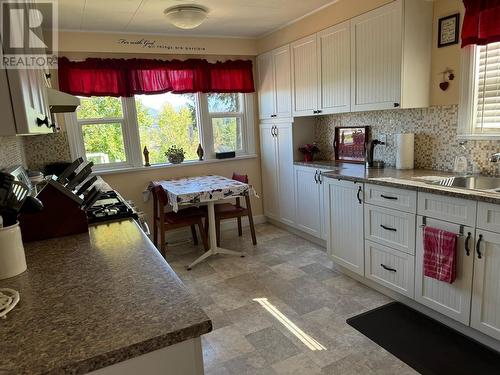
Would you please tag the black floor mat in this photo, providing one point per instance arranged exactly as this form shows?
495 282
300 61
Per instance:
423 343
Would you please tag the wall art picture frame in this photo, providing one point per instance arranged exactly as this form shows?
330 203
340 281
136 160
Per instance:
448 30
350 143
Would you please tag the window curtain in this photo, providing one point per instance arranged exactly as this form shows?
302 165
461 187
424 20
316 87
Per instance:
481 24
121 77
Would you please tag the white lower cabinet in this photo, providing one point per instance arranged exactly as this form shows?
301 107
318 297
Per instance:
390 268
310 208
485 315
453 300
345 242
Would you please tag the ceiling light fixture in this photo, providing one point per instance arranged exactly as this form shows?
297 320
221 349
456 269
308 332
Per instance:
186 16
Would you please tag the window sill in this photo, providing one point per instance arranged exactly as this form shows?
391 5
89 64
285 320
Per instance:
479 137
170 165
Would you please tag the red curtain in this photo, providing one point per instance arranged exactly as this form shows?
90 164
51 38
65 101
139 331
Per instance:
481 24
120 77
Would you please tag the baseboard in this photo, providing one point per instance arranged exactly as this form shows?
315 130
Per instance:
297 232
184 234
466 330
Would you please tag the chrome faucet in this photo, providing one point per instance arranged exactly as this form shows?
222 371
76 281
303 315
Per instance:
495 158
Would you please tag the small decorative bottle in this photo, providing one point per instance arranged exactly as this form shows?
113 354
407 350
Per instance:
200 152
146 157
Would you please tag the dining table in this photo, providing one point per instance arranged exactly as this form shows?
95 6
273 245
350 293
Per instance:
206 190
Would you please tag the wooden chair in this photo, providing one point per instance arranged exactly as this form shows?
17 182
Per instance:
226 211
165 221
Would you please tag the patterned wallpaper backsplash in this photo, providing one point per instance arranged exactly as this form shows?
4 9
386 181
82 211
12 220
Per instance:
44 149
11 152
435 129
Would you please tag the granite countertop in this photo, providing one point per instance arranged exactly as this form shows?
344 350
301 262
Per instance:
413 179
91 300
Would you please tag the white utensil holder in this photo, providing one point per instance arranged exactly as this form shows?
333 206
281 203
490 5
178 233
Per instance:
12 258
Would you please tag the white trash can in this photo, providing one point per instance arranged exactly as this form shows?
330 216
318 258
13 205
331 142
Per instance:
12 258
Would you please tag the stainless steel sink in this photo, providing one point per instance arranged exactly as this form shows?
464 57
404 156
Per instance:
471 183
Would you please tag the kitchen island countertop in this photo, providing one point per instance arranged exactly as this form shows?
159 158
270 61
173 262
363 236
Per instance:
92 300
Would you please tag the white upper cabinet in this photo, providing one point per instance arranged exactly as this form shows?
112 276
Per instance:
274 84
334 69
390 56
304 76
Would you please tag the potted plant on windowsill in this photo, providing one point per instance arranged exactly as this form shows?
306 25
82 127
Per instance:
175 155
309 150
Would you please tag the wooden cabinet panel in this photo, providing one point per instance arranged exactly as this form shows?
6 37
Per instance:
390 268
345 242
398 199
269 161
284 167
283 82
485 315
304 76
390 227
455 210
308 193
266 85
452 300
334 69
376 58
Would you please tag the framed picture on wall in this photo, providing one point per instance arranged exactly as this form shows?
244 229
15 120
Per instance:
448 30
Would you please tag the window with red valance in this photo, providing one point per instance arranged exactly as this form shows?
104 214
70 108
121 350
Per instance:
129 77
481 24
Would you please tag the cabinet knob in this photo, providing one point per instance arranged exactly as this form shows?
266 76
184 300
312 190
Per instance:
48 75
396 105
319 111
41 122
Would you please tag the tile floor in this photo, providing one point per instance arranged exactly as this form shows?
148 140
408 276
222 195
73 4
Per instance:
307 304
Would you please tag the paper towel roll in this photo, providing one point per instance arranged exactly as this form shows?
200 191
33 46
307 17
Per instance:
405 151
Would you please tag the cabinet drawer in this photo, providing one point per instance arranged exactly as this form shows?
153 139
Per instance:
390 227
390 268
455 210
488 216
399 199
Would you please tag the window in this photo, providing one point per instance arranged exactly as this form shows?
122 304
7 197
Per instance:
112 132
479 116
226 117
165 120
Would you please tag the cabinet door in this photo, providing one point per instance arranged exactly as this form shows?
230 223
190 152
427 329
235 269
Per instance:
304 76
269 170
308 191
286 186
452 300
283 82
29 99
323 209
266 85
345 224
485 315
334 69
376 57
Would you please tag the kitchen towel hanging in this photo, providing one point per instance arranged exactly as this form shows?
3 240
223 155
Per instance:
405 151
440 254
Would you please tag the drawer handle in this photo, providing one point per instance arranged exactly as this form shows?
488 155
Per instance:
387 268
467 248
387 197
388 228
478 247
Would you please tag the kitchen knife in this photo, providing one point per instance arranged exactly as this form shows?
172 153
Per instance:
82 175
63 177
91 198
86 185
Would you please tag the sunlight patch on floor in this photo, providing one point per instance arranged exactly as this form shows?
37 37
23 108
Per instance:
307 340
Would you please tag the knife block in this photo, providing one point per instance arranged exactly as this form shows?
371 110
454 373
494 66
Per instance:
61 215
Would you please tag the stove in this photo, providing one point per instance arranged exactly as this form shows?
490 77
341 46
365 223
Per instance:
110 207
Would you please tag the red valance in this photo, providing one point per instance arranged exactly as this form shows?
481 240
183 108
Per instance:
481 24
128 77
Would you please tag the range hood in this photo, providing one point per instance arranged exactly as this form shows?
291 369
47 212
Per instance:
60 102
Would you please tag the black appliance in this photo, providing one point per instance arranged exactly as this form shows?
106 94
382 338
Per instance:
110 207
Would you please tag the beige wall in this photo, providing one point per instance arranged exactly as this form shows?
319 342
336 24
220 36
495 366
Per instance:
446 57
326 17
132 184
154 44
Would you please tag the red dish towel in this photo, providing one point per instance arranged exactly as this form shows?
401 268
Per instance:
440 253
